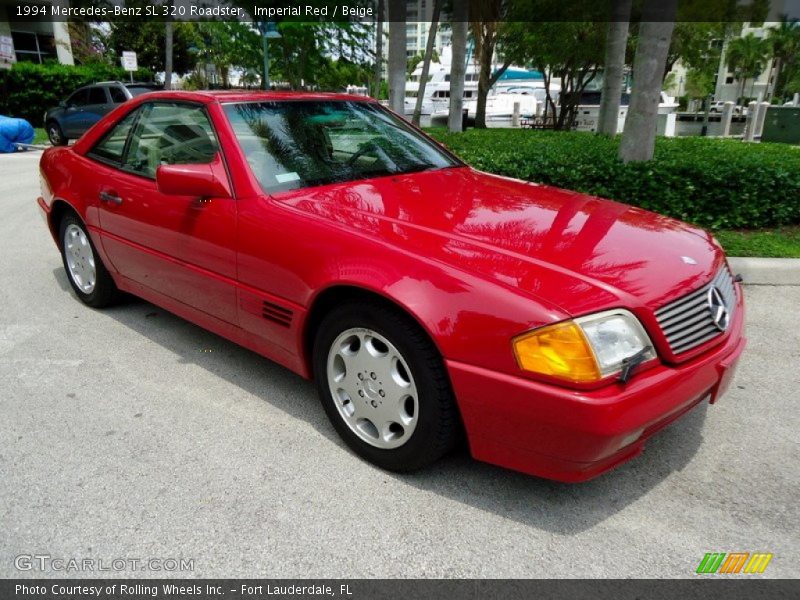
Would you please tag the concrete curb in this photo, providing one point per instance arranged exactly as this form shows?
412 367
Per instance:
767 271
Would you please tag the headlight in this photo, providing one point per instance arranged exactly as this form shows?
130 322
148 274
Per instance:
586 349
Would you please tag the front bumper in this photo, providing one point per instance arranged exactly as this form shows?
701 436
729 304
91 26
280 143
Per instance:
572 435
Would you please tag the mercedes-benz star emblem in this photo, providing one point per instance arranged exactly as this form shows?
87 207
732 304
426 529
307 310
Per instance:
719 312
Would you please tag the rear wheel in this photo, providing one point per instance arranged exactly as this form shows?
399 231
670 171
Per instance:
384 386
86 273
55 134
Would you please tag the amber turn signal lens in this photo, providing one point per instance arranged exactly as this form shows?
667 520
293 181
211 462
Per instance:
559 350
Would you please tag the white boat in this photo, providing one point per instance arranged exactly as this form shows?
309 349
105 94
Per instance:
437 88
503 96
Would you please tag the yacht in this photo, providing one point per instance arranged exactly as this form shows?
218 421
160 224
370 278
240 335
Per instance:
437 88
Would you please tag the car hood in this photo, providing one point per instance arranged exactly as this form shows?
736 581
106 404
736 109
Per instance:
577 251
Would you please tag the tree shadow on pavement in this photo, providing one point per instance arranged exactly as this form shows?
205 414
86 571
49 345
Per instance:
538 503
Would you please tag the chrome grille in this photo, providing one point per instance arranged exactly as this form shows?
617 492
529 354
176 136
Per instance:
687 322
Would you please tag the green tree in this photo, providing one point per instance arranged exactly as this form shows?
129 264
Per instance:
228 44
747 57
571 51
785 45
147 39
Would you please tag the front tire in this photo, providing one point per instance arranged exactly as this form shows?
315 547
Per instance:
56 136
86 272
384 386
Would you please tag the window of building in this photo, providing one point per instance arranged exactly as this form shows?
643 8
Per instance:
33 47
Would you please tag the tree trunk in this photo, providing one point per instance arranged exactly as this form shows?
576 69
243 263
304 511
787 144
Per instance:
458 67
397 56
485 72
655 33
614 67
168 26
776 72
378 69
426 61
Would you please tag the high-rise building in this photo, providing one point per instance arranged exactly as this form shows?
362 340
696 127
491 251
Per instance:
418 23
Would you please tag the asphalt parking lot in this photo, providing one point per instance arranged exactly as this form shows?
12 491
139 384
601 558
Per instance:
130 433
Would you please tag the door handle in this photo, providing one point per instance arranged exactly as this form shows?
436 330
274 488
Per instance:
110 198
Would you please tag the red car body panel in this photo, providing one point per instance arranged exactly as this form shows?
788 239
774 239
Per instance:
476 259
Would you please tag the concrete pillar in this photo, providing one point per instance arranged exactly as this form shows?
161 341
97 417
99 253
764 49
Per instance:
796 99
515 115
725 121
669 125
749 126
761 115
62 39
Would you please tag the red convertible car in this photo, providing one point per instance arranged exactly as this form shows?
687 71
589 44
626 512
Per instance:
555 331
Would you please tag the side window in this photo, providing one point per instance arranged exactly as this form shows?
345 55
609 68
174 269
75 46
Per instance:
117 95
112 146
97 95
170 134
79 98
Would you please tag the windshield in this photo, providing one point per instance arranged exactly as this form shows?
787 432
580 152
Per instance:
295 144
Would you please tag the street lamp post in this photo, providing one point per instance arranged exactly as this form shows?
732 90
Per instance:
268 32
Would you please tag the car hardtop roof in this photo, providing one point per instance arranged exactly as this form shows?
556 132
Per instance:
223 96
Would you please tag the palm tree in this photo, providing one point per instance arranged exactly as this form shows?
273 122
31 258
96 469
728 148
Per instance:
614 67
655 34
485 19
458 66
785 45
168 55
426 61
397 56
378 68
747 57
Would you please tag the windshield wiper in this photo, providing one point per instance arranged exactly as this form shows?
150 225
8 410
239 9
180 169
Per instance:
629 364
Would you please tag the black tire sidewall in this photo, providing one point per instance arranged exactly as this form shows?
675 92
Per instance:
104 287
427 369
62 141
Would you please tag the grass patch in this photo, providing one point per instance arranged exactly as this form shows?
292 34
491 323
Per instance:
781 242
40 136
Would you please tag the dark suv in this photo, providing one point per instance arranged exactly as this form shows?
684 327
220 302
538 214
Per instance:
86 106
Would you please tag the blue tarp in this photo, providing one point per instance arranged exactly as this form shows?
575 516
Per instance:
13 132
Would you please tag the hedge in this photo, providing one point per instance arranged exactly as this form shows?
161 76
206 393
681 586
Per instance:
720 184
27 90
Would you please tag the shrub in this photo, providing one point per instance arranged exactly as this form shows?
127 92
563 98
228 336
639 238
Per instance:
714 183
27 90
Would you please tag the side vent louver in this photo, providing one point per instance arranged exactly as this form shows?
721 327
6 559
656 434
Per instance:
276 314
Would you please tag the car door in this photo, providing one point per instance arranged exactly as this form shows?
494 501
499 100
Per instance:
179 246
72 117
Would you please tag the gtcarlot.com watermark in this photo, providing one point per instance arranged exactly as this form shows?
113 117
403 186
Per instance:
46 563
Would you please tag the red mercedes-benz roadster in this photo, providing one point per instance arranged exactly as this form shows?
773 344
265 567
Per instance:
556 331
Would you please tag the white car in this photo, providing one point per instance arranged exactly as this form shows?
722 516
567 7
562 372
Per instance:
718 105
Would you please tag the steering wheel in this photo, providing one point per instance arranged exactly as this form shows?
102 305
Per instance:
362 150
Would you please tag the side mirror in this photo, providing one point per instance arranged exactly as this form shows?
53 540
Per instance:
200 181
